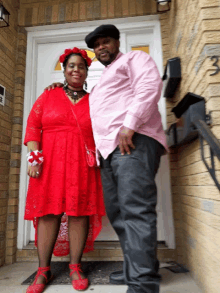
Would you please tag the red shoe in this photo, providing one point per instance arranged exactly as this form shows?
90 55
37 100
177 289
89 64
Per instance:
39 288
81 284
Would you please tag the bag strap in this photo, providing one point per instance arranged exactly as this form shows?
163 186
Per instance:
80 130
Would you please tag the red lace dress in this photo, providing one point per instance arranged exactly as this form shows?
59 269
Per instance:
67 184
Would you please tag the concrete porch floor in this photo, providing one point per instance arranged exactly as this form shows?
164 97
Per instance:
12 276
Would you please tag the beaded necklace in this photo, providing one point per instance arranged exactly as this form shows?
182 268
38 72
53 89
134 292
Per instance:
74 95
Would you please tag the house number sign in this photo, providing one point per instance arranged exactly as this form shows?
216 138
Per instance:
216 58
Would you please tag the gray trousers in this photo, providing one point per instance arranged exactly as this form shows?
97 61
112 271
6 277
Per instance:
130 198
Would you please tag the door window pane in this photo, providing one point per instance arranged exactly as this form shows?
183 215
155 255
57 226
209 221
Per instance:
146 49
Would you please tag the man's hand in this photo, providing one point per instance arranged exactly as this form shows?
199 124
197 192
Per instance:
34 171
125 140
53 85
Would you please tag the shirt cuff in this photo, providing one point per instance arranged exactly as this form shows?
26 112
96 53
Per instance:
132 122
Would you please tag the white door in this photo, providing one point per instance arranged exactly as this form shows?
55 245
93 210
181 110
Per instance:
47 51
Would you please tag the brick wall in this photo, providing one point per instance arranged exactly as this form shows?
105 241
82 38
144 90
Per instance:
8 53
16 131
45 12
191 31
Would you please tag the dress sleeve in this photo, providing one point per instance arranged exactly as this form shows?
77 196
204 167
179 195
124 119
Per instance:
34 122
147 85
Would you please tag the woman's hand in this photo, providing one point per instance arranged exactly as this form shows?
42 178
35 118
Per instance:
34 171
53 85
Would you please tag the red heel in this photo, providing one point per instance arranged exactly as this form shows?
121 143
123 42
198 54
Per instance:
39 288
81 284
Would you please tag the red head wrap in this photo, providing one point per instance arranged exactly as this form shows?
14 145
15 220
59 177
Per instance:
83 53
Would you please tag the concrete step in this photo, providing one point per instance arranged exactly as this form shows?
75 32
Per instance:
11 277
104 251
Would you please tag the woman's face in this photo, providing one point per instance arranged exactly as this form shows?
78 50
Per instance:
75 71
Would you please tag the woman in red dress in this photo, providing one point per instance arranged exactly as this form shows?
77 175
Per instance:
64 197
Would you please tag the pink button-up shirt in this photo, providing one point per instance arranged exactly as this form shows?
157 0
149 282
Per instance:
127 94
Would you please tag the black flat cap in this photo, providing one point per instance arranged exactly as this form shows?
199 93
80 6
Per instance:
104 30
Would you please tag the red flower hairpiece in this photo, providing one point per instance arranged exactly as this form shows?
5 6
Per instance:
83 53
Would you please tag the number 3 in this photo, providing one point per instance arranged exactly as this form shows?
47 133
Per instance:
215 64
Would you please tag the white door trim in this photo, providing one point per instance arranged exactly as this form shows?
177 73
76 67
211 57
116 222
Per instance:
71 32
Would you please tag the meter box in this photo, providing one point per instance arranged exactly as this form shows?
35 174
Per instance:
2 95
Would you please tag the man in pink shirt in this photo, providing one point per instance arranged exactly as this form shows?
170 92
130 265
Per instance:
130 140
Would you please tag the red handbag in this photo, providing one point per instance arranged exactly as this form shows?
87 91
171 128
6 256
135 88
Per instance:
90 157
90 154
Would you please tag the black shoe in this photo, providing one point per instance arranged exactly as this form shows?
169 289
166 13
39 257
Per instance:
117 278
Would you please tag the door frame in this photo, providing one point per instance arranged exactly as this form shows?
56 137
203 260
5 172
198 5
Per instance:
73 32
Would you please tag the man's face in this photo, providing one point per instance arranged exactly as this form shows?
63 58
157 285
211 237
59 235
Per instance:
106 49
